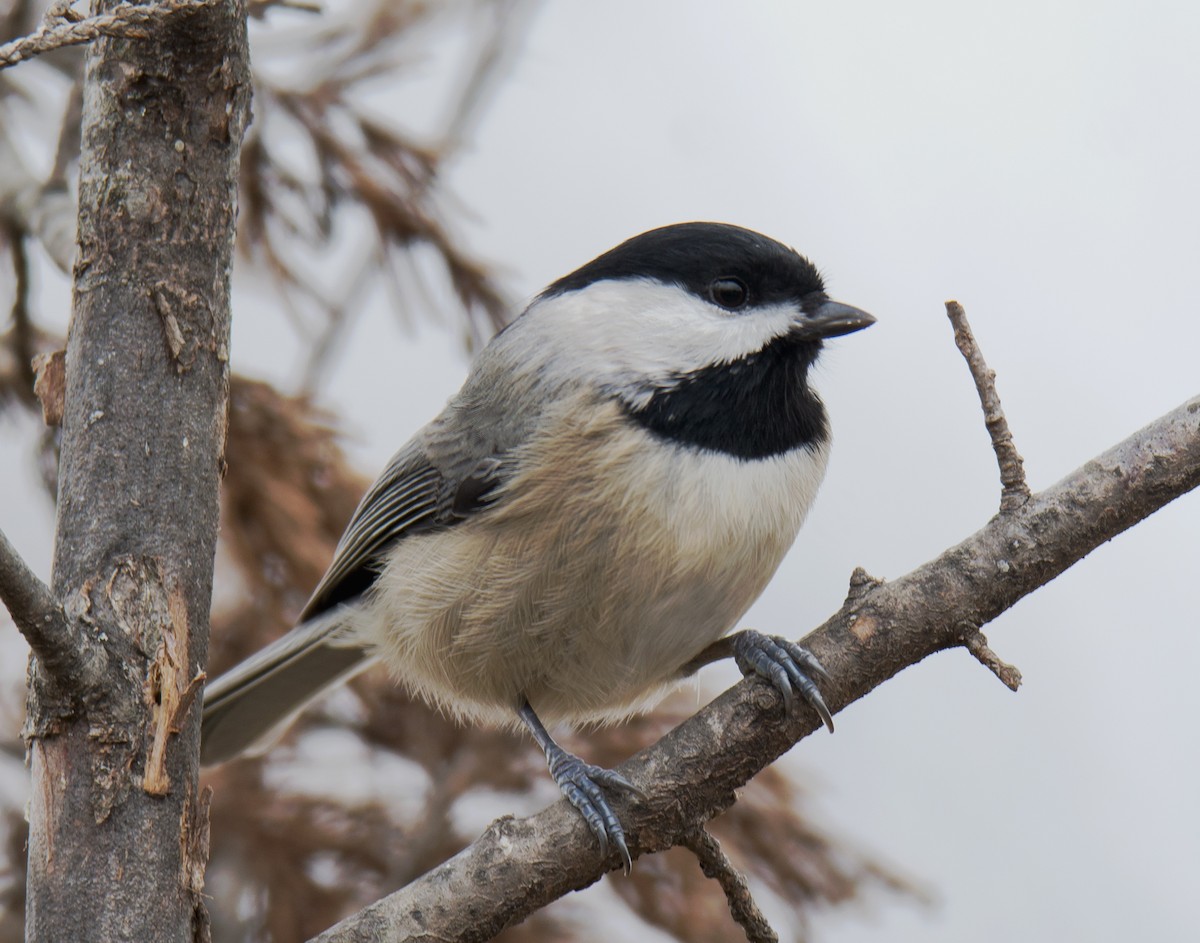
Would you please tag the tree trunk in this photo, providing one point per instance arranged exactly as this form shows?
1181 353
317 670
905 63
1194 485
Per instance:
118 833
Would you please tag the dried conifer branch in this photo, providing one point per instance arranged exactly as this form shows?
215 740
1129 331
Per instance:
691 775
357 163
362 163
1014 489
716 865
63 26
74 661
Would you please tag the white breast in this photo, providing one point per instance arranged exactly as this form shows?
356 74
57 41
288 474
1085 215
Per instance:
594 579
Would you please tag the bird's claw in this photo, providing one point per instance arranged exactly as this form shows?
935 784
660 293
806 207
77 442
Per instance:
786 665
583 785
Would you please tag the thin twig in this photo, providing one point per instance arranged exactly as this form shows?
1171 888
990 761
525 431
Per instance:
76 662
28 599
22 329
1014 489
62 27
976 643
716 865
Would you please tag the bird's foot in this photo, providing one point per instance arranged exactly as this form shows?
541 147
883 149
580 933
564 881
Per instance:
583 785
786 665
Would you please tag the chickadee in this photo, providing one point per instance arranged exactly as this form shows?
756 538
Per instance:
616 482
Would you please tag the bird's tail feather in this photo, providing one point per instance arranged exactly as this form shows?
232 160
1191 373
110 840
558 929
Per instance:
247 706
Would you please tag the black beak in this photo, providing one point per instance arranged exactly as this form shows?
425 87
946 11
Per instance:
831 319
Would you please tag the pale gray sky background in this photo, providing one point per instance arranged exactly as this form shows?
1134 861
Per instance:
1037 162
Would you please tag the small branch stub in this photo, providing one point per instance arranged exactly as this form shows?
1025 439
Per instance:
75 662
977 644
861 584
1014 489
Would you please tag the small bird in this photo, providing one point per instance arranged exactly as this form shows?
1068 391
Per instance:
616 482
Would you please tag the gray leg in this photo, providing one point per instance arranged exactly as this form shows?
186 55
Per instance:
583 786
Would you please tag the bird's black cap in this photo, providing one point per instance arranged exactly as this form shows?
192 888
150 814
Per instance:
693 255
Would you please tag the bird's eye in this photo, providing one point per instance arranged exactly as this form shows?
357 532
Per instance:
729 292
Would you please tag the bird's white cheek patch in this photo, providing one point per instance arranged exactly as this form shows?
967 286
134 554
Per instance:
639 331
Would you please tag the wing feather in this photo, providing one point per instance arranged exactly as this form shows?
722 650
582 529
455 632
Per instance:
404 498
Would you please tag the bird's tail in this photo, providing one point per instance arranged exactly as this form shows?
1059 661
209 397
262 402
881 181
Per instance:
249 704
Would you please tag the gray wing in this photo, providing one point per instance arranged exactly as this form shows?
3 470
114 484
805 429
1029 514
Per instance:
245 707
413 494
405 498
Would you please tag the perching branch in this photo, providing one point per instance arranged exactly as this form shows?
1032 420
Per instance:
519 865
63 26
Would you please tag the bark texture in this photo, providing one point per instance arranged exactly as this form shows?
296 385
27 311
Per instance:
691 775
118 831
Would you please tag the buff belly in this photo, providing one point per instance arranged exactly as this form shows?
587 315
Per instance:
590 583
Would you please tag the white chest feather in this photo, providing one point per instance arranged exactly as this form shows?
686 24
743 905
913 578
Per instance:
595 577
